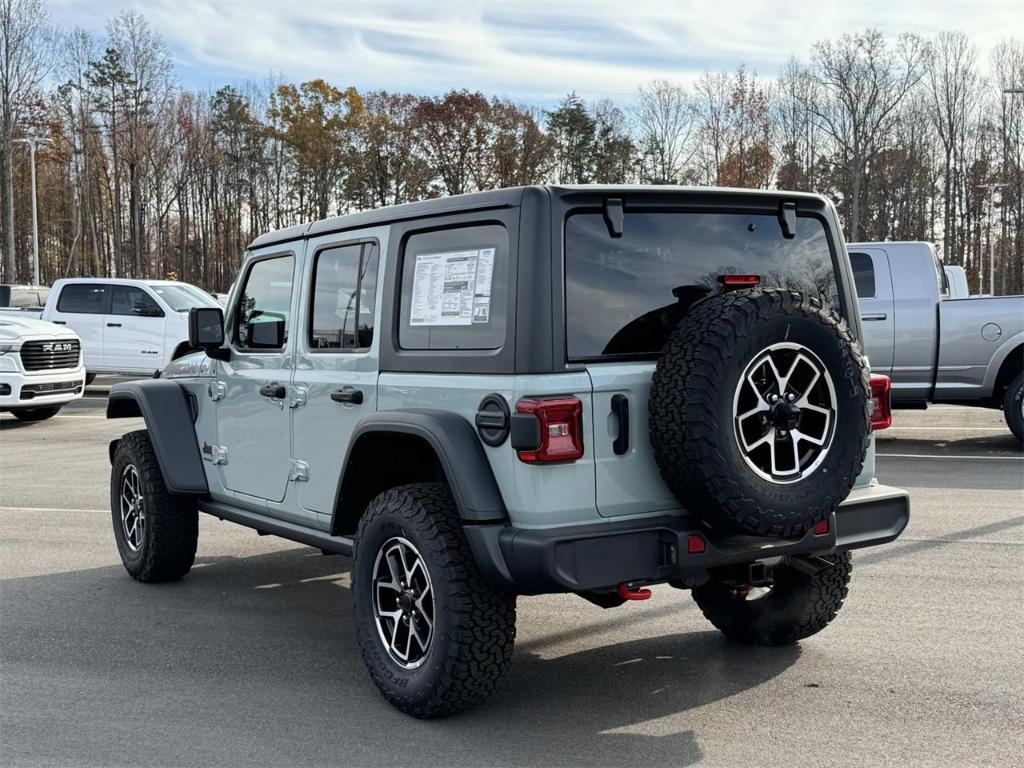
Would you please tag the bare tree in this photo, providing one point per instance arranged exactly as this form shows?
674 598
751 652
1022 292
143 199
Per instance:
864 81
953 87
26 56
666 121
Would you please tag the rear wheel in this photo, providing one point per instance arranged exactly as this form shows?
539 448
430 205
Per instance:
1013 407
435 636
797 604
156 532
36 414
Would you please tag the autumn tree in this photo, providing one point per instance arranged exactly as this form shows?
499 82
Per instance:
319 124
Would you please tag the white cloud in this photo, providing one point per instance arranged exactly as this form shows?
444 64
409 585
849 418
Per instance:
534 50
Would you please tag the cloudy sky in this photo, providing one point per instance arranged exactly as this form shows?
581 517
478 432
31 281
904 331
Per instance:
532 50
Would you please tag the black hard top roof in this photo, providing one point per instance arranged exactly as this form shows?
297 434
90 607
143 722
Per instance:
502 198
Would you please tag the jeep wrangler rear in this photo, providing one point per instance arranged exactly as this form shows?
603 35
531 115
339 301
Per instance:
549 389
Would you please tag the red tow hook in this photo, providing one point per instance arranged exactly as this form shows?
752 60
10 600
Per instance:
627 592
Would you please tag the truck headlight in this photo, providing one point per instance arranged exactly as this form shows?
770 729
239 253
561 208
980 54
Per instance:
11 347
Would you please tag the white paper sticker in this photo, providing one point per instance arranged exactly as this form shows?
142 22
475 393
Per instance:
452 288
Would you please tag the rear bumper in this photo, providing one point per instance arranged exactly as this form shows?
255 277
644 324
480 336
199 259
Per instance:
589 557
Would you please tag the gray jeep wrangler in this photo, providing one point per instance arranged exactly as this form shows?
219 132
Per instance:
526 391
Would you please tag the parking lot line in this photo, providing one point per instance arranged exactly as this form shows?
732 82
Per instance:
948 429
50 509
945 456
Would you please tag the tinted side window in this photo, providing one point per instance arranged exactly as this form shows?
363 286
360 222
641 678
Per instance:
454 289
130 300
344 294
625 295
83 298
261 319
863 275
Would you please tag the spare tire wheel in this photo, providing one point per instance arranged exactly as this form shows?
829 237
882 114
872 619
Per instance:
760 412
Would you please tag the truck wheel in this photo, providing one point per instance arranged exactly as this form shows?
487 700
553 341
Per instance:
36 414
1013 407
89 378
156 532
435 636
798 605
760 412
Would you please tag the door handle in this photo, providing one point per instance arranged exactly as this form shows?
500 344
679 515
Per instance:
874 316
275 391
348 396
620 407
113 325
59 322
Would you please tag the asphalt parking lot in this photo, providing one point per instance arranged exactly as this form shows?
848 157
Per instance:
252 660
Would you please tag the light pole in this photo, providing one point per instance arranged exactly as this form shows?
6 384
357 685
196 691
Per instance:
991 188
33 144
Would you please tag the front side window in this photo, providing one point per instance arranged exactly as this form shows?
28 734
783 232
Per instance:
83 298
344 294
863 275
130 300
625 295
264 303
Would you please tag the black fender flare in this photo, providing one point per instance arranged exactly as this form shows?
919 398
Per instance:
170 420
455 442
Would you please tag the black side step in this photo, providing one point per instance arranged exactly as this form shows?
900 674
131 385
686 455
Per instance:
340 545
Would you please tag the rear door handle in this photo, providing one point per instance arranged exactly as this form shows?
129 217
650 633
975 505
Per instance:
59 322
113 325
620 407
349 396
275 391
874 316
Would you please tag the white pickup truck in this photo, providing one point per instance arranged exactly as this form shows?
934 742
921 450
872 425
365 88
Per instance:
938 346
126 326
40 367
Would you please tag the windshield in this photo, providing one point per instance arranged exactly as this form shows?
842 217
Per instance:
625 295
181 298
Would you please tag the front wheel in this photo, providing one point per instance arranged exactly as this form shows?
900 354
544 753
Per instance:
435 636
1013 407
36 414
797 605
156 532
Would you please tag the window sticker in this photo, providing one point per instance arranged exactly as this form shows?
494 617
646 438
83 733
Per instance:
452 288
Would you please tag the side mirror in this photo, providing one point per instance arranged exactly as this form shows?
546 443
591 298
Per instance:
206 329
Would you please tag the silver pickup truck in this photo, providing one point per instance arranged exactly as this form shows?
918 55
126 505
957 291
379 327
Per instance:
934 347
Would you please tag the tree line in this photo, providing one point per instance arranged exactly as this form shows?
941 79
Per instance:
142 177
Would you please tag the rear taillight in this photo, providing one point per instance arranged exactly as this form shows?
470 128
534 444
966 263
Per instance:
744 281
881 408
561 429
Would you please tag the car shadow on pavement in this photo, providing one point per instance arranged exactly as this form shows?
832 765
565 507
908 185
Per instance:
254 661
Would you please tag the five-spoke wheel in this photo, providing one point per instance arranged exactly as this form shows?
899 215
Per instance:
133 509
403 602
784 412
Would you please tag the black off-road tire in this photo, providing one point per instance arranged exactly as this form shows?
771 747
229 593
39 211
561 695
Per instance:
1013 407
36 414
171 530
798 606
474 622
89 378
691 411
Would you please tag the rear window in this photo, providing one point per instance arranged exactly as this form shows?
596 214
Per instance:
83 298
623 296
27 297
863 275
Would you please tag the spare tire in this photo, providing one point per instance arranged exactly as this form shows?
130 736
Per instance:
760 412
